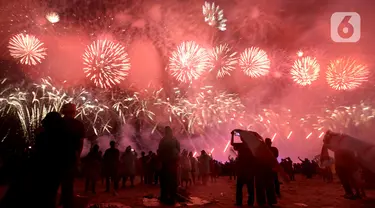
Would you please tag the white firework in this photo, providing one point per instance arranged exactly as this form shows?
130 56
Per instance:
223 60
27 49
53 17
188 62
255 62
214 16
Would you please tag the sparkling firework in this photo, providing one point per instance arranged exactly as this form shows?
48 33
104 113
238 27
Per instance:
254 62
346 74
347 118
27 49
188 62
53 17
214 16
305 70
223 60
106 63
32 106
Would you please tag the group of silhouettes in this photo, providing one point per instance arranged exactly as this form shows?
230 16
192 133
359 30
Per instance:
53 163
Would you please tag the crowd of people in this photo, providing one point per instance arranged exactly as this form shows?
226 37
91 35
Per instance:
58 146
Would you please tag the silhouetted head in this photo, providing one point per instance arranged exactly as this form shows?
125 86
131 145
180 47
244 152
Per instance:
268 142
52 121
143 153
149 152
190 154
128 149
168 133
203 152
112 144
69 110
95 148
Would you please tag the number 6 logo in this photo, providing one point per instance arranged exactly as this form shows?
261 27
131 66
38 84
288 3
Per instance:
345 27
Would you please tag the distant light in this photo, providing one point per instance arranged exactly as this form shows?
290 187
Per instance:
226 147
132 150
290 134
299 53
195 153
212 150
29 147
321 134
53 17
274 136
309 135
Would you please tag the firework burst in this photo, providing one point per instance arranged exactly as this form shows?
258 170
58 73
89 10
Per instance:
214 16
106 63
27 49
346 74
254 62
305 70
223 60
53 17
188 62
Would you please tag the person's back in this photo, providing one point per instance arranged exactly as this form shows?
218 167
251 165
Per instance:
245 164
168 149
73 133
111 157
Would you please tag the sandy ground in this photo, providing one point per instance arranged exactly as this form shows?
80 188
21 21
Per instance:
302 193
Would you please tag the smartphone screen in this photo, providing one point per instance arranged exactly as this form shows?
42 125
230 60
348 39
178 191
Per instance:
236 138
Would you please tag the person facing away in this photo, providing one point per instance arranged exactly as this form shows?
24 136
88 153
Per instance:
92 168
275 153
74 133
39 187
245 171
204 166
185 168
143 164
111 162
128 160
168 153
194 167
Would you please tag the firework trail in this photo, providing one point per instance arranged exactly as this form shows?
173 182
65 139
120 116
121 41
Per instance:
305 70
188 62
254 62
346 74
214 16
106 63
27 49
223 60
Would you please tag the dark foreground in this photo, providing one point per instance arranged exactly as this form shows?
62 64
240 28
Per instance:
303 193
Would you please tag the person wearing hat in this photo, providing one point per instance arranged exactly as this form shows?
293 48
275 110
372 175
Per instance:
74 133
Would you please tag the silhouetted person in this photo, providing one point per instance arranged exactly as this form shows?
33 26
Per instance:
275 153
168 153
306 167
111 162
194 167
265 180
245 171
128 160
74 134
143 164
92 168
149 169
204 166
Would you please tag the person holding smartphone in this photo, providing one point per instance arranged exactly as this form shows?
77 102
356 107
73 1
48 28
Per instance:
245 169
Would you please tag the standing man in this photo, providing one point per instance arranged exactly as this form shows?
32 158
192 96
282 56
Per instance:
275 153
168 152
74 133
